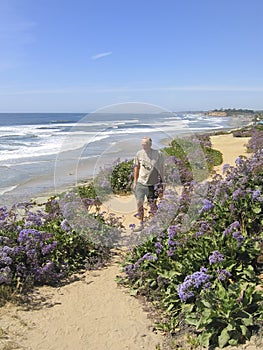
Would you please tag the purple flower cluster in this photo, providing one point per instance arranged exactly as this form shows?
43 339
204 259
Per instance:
192 283
239 193
3 213
171 235
147 257
5 275
204 227
216 257
159 247
26 254
34 219
234 229
6 261
131 269
207 206
27 257
5 255
171 243
256 141
256 194
223 274
65 225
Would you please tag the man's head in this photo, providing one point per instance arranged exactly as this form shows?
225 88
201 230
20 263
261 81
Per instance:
146 143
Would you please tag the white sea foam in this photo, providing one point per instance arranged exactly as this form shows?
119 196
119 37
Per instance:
30 151
33 141
49 146
7 189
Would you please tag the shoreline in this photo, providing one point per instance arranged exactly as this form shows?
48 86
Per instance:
70 170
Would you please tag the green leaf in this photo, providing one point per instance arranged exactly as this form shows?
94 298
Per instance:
207 305
245 331
187 308
134 292
191 319
256 210
153 283
170 307
247 320
203 322
223 338
204 338
233 342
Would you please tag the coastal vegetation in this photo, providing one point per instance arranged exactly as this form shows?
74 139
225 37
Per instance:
204 278
45 246
201 276
194 157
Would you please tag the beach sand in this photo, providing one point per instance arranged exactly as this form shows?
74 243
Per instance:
231 147
93 313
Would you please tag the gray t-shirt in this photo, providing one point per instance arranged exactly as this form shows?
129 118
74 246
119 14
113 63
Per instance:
151 166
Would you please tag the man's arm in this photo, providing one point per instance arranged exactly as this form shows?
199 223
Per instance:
161 166
135 175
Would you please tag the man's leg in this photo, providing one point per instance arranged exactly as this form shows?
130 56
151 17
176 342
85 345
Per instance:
152 197
140 211
140 193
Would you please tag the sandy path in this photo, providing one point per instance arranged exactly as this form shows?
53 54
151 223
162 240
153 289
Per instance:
231 148
90 314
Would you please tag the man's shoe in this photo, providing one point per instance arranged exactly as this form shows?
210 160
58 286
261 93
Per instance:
138 228
137 215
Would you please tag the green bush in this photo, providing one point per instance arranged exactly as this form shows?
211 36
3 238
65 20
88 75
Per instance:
194 157
121 177
87 191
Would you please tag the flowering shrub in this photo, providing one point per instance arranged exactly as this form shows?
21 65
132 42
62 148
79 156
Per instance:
121 177
193 157
42 246
204 276
256 141
255 133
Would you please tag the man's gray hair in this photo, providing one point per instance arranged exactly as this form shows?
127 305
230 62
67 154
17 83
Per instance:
148 139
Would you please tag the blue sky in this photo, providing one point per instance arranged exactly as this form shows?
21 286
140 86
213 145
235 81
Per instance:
80 55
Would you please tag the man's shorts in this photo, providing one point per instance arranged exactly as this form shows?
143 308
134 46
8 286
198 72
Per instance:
142 191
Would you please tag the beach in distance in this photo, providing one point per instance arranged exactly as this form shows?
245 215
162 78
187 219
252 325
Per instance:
46 153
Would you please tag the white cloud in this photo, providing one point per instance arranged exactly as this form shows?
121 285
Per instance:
101 55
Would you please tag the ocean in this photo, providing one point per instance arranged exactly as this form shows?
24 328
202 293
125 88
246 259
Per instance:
44 153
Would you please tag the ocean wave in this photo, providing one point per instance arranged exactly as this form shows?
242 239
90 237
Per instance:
4 190
50 146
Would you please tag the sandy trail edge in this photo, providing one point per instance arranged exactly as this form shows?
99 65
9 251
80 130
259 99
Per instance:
231 148
90 314
93 313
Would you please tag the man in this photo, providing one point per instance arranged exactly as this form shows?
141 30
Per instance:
148 174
